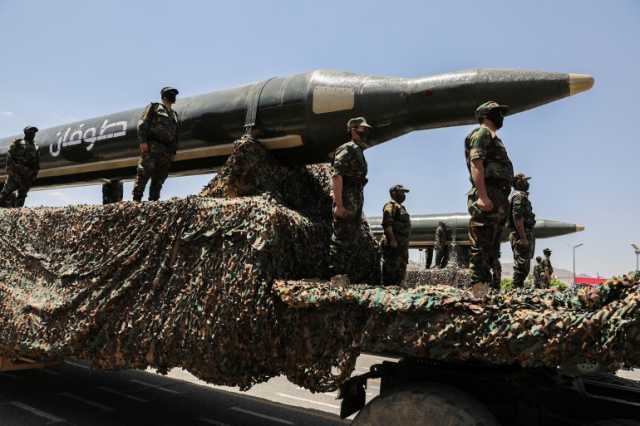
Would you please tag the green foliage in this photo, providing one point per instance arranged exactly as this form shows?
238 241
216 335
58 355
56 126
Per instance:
506 284
556 283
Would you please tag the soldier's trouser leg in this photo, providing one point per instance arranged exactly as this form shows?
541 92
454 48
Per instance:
496 266
439 257
445 257
144 171
428 257
342 247
394 265
484 230
521 258
10 186
161 171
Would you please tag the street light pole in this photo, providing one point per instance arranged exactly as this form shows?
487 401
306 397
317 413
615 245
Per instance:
574 263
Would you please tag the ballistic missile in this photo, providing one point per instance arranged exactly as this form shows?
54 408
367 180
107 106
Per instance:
423 228
302 118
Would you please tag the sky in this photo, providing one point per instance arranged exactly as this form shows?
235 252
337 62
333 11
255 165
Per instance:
70 60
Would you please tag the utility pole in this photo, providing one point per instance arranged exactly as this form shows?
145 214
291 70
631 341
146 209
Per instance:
574 262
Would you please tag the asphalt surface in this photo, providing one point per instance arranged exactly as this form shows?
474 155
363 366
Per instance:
73 394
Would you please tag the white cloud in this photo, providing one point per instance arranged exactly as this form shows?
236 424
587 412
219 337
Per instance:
6 113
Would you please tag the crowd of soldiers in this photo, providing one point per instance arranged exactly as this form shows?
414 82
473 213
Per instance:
490 172
491 203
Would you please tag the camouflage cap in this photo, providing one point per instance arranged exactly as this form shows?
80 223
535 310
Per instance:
521 176
547 251
167 90
357 122
398 188
484 108
30 129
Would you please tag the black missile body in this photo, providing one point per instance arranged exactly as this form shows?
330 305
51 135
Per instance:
423 228
301 118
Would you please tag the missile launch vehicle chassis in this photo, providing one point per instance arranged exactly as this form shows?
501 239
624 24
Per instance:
422 392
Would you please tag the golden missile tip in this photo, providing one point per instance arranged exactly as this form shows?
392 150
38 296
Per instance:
579 228
579 83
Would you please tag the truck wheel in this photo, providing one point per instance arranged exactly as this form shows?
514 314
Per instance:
616 422
429 404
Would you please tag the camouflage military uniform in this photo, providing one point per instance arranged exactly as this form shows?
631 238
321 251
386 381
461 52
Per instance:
350 163
23 164
538 276
395 259
521 209
496 266
547 268
158 127
442 246
485 228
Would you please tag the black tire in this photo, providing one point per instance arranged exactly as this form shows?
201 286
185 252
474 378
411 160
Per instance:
617 422
429 404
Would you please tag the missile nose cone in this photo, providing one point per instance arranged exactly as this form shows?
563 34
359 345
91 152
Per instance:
579 228
579 83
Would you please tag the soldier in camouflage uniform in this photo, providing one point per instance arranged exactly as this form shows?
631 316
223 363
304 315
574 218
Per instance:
521 223
538 274
23 165
442 245
158 137
396 224
348 181
547 267
491 174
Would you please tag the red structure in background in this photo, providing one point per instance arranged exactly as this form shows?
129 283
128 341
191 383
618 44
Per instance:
589 281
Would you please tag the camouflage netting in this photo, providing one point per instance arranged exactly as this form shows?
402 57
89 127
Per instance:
533 328
213 285
183 283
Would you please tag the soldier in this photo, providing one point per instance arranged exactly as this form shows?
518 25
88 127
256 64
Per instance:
348 181
538 274
112 191
547 267
521 223
158 137
491 173
396 224
23 165
442 245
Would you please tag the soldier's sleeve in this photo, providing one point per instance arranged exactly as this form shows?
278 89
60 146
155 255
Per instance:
388 213
478 143
517 206
144 124
341 161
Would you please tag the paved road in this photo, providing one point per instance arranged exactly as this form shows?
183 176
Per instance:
72 394
75 395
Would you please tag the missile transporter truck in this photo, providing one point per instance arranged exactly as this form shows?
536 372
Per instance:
218 284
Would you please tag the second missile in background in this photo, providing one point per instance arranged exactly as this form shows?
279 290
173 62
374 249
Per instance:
423 228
